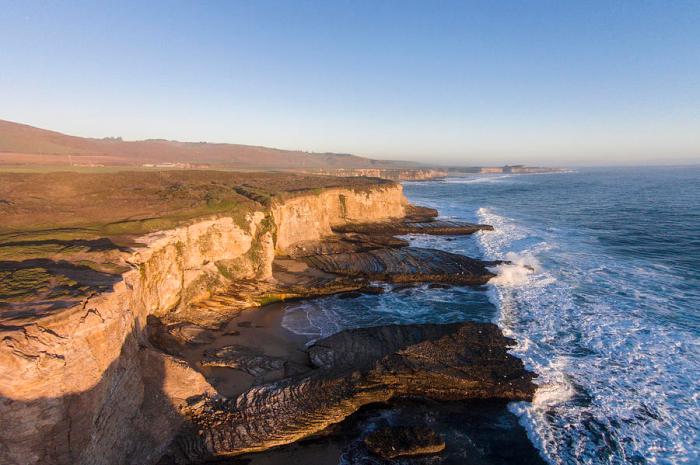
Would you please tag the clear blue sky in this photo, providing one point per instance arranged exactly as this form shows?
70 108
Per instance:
553 82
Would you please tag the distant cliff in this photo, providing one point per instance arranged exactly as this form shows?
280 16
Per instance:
408 174
508 169
427 174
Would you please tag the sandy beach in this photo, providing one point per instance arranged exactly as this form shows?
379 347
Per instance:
261 331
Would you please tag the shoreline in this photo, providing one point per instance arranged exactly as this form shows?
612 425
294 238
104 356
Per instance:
185 323
507 442
476 432
501 438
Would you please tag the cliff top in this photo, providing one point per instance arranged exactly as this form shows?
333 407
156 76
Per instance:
66 233
121 203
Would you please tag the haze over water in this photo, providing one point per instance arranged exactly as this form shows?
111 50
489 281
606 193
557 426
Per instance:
608 317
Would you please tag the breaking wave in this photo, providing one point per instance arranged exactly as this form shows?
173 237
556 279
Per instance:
615 386
323 317
601 296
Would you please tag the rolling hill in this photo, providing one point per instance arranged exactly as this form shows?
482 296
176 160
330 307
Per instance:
21 144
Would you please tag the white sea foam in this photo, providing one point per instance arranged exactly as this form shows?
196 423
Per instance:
517 272
614 385
421 304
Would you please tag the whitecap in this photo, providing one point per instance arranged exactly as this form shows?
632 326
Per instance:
614 386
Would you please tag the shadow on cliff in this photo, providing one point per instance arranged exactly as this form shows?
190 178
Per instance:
36 287
102 244
127 418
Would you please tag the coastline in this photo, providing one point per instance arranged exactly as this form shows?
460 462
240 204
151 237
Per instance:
85 359
604 310
200 337
500 437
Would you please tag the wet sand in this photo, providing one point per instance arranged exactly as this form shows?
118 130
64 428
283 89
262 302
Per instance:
259 329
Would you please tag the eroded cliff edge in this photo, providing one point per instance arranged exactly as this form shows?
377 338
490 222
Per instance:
83 385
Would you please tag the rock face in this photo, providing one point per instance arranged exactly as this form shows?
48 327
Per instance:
390 443
83 386
419 214
312 217
355 368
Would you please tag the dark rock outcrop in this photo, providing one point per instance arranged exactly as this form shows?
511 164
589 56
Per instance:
407 264
345 243
395 228
418 214
355 368
390 443
417 220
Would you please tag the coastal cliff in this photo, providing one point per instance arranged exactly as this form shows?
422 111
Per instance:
83 385
311 217
392 174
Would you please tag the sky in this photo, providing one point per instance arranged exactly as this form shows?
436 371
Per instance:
460 83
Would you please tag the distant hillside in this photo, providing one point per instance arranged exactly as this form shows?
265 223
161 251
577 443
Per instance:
23 144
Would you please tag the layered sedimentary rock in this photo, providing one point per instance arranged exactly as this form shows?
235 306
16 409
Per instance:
344 243
83 386
417 220
390 443
355 368
242 358
347 262
312 217
435 227
407 264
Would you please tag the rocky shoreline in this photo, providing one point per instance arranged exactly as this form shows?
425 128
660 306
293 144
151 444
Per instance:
355 367
352 369
163 369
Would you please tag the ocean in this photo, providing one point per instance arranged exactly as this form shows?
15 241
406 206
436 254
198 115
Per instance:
602 298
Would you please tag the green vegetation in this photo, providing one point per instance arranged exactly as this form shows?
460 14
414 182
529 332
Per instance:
268 299
29 283
16 284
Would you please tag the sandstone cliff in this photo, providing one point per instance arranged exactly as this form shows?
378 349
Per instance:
84 386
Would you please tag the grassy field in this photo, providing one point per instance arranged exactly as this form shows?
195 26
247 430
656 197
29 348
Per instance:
64 234
135 202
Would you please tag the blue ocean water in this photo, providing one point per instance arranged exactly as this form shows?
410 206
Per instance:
607 311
